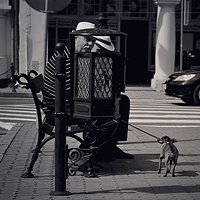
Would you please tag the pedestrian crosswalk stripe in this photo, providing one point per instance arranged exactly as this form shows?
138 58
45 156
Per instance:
157 107
163 113
18 106
17 119
133 112
18 115
169 125
18 112
164 121
137 116
143 112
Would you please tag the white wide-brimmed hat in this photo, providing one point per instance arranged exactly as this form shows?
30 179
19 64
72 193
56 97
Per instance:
105 42
84 25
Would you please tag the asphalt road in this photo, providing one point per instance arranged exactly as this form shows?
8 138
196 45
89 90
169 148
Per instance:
14 110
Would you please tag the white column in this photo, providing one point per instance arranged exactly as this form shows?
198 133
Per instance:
165 42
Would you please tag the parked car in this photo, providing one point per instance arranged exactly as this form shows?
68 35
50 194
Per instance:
184 85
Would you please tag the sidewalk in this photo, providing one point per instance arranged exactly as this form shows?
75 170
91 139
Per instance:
19 92
135 179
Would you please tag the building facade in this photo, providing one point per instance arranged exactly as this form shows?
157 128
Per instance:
5 40
137 18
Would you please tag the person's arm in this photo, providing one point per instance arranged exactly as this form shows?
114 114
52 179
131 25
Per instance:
49 79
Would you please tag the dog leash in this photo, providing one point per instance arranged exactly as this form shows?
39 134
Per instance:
141 130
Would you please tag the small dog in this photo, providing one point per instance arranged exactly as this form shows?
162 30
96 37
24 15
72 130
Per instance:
170 153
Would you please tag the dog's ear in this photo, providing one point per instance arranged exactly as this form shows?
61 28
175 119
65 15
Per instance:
165 138
159 140
174 140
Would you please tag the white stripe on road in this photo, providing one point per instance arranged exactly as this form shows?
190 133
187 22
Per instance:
172 116
17 111
168 126
18 106
17 119
164 111
164 121
18 115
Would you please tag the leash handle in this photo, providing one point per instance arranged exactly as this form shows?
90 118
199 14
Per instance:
141 130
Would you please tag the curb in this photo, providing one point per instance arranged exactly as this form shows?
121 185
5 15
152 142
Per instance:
7 92
15 94
8 138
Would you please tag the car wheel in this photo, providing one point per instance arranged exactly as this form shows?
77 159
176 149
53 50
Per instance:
196 95
188 101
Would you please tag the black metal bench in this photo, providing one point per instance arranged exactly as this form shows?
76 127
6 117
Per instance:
34 82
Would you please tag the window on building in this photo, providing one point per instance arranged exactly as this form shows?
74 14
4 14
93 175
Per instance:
63 35
111 7
195 9
71 9
51 40
135 8
91 7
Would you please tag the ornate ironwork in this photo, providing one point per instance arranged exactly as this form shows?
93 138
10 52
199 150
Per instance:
80 160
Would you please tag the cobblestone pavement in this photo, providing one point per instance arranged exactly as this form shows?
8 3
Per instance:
135 179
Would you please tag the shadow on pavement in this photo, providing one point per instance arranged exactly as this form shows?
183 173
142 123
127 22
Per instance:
140 164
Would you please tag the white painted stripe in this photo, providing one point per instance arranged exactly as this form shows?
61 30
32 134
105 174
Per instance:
20 105
17 119
165 112
165 99
164 121
162 108
15 98
17 111
156 100
150 100
18 115
169 126
165 116
17 107
6 125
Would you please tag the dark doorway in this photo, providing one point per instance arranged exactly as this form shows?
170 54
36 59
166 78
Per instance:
137 50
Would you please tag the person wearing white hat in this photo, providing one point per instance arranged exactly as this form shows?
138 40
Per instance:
49 74
83 43
84 26
103 44
107 126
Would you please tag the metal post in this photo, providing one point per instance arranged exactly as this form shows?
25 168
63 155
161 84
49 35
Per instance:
15 26
61 165
181 38
46 29
13 77
16 35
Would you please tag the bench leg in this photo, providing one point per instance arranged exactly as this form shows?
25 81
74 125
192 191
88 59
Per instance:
28 172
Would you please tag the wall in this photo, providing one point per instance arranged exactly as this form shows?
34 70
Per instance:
32 28
5 39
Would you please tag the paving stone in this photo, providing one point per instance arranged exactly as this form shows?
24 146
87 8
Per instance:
135 179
